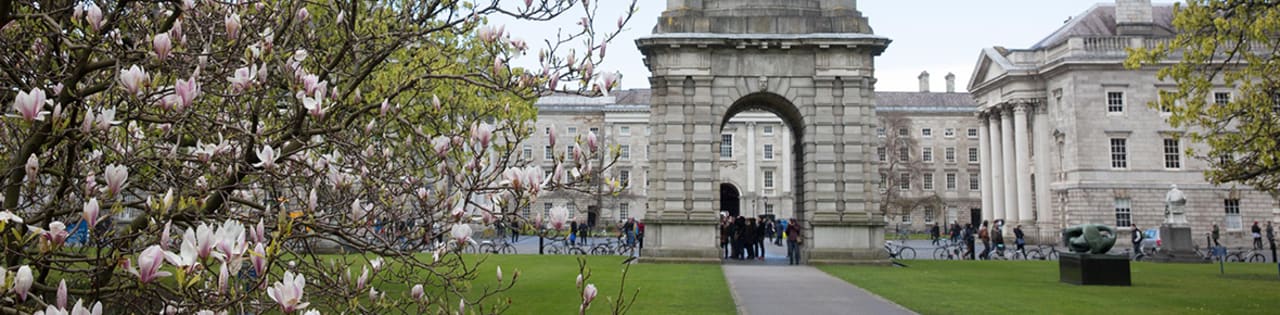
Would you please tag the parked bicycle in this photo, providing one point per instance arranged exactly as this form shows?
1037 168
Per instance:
949 252
899 251
1043 252
500 247
1250 255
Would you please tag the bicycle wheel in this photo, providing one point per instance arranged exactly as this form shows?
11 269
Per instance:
625 250
941 253
600 250
576 251
1257 258
907 253
488 248
1235 257
1053 255
507 249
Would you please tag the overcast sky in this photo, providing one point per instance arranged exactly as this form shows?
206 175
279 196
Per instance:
938 36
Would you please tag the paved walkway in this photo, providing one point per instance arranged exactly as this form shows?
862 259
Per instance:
761 289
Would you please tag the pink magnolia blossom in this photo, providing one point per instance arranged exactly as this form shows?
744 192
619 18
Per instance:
87 124
29 104
588 295
62 294
116 176
498 65
461 233
363 279
514 177
303 15
6 217
266 157
186 91
603 47
311 201
359 210
79 309
162 45
417 292
134 79
578 282
243 78
499 273
435 101
164 234
22 281
441 145
222 278
90 184
622 20
288 292
593 142
490 33
166 202
259 232
105 119
232 22
315 106
149 263
90 214
188 5
482 133
258 258
384 108
610 81
57 233
33 167
559 216
528 3
94 15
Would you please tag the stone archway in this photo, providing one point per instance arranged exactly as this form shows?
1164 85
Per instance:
811 62
730 199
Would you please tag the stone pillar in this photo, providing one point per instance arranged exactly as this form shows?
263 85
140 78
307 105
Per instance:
1010 169
984 155
996 175
1040 130
751 161
1023 158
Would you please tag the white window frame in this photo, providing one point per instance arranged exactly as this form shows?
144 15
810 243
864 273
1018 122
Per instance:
767 130
528 151
949 132
1119 153
624 210
726 141
972 133
904 154
1172 153
926 132
880 132
624 152
883 154
975 182
548 153
768 152
1231 207
568 151
929 212
1124 212
904 181
926 154
768 179
927 181
950 154
974 158
624 178
1112 107
768 208
571 131
952 181
546 209
624 130
1215 95
903 132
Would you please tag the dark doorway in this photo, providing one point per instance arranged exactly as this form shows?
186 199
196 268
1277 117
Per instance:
729 198
975 216
593 214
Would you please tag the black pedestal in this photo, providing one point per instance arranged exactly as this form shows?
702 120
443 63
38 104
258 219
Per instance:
1088 269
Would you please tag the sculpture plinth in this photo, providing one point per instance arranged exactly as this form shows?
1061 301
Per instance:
1175 234
1090 269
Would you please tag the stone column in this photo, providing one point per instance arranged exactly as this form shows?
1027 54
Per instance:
984 155
1010 169
1040 132
1022 155
751 160
996 175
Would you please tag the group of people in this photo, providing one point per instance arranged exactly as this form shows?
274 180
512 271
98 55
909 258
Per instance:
743 238
988 233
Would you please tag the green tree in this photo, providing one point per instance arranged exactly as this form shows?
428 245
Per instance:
1224 45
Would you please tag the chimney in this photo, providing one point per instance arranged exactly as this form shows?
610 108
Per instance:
924 82
1134 18
951 82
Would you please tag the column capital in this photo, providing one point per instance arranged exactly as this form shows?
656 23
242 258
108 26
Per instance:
1021 108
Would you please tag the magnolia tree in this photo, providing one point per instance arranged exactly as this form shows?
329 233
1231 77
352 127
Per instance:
196 156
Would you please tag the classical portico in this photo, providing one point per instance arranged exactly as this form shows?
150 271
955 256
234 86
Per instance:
1007 144
811 62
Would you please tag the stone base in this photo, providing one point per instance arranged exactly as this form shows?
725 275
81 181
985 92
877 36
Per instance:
1176 246
1088 269
827 243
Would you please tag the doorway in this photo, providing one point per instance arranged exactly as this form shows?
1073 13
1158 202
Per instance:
730 199
975 216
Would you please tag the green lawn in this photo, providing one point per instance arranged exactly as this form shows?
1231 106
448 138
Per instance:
955 287
546 285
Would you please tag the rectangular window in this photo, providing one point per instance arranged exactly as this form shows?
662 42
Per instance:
1115 102
568 151
951 155
880 132
528 151
1124 214
927 182
624 178
526 212
904 181
929 212
547 153
903 154
768 208
949 132
573 131
1221 98
768 179
973 155
624 130
1172 154
768 130
1119 157
624 152
548 132
906 218
927 155
648 130
726 146
546 209
768 152
1232 207
975 182
926 132
973 133
595 131
951 181
624 210
881 154
884 180
647 151
1164 96
902 132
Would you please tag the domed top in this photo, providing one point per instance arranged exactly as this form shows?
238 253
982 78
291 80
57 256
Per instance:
762 17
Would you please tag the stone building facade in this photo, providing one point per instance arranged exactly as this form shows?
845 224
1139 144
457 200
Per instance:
1071 139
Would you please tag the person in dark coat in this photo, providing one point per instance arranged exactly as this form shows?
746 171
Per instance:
762 232
969 241
794 240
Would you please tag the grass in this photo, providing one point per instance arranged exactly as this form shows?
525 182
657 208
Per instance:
964 287
546 285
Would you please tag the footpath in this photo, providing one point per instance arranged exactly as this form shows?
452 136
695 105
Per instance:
765 289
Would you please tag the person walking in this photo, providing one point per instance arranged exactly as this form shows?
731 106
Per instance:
782 232
1215 235
1137 238
573 233
935 234
986 241
762 232
1271 239
1257 235
1019 239
515 231
968 241
955 232
640 233
794 240
749 238
997 237
724 236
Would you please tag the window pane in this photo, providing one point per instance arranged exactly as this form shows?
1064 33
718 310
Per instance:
1119 157
1172 154
1124 214
726 146
951 181
928 181
1115 102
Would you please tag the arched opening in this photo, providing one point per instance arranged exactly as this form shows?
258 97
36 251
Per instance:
729 200
761 150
